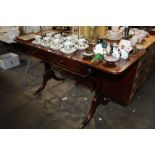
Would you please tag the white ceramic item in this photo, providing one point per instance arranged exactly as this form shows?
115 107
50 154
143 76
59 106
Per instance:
124 54
125 45
56 46
116 53
38 39
113 35
141 34
72 50
134 40
69 45
110 59
57 36
98 49
82 41
115 28
82 47
49 34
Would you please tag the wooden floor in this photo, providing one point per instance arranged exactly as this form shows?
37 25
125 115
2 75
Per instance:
64 105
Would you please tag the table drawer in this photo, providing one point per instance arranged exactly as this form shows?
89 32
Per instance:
65 63
43 55
70 65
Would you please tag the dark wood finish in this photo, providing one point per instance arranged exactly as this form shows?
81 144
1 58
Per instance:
49 74
152 32
95 100
122 73
118 68
118 81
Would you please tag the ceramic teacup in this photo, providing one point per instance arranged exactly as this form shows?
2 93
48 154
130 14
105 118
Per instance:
141 37
38 39
125 45
56 41
68 45
68 38
57 36
134 40
82 42
49 34
141 34
46 40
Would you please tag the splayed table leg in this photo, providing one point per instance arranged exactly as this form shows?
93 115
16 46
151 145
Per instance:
49 74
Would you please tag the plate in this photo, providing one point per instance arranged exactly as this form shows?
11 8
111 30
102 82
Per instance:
45 45
68 52
110 59
88 54
82 48
55 48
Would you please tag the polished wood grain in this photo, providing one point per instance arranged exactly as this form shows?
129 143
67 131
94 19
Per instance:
118 81
117 68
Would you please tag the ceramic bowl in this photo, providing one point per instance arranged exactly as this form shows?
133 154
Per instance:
110 59
114 35
115 28
134 40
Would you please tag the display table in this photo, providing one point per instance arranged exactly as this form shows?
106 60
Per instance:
119 81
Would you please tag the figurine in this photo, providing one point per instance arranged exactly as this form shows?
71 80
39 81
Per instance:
99 49
116 52
125 44
108 49
98 57
124 54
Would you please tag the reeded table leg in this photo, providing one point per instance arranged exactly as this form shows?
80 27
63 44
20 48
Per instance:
93 107
96 100
49 74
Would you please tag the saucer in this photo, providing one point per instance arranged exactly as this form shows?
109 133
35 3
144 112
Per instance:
82 48
55 48
45 45
110 59
88 54
68 52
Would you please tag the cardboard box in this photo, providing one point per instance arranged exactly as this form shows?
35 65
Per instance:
9 60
